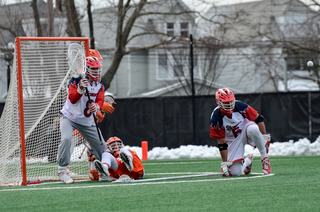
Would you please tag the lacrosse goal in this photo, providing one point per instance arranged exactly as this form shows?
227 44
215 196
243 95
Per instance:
29 125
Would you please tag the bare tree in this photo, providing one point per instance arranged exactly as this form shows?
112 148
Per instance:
50 18
207 65
73 25
36 18
92 46
122 38
260 31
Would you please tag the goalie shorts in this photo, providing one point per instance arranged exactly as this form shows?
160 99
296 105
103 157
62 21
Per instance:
89 133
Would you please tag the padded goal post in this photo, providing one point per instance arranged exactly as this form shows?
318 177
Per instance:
29 125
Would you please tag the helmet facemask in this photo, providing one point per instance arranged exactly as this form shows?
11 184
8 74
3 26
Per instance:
225 99
115 146
94 73
227 107
93 69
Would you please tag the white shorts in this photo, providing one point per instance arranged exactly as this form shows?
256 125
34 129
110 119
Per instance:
236 147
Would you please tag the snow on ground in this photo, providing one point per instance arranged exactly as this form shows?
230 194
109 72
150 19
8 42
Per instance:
292 148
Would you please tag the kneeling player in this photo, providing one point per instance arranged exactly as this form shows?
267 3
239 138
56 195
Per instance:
118 162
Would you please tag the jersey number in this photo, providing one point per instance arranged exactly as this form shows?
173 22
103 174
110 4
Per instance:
87 112
236 131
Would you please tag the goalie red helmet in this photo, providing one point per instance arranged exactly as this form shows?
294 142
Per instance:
114 143
225 99
94 69
94 53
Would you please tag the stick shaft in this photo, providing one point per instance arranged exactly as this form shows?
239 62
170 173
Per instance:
94 117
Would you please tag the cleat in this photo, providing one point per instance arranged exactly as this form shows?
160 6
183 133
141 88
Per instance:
266 165
65 178
102 168
103 178
127 160
248 168
70 173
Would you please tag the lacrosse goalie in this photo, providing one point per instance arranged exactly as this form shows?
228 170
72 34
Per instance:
118 163
77 114
235 124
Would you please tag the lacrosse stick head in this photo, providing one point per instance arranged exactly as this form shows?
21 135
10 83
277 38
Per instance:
93 69
77 59
110 99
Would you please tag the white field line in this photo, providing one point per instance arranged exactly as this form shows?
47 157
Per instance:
136 184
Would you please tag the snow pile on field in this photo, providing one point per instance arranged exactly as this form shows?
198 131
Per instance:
301 147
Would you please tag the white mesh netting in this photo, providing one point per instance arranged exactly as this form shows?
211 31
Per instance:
45 76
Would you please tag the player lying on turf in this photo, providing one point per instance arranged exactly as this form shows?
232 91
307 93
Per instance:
117 162
235 124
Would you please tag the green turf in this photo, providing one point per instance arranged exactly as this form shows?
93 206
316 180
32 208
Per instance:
294 187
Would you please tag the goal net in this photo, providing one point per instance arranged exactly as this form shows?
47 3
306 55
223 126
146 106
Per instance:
29 125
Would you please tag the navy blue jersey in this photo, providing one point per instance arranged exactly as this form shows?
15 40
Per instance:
223 127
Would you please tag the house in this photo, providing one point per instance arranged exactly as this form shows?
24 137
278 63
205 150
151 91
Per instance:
18 20
149 71
240 46
266 44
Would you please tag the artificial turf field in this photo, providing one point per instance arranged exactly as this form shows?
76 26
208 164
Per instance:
295 186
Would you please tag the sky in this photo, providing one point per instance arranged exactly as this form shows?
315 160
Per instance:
193 4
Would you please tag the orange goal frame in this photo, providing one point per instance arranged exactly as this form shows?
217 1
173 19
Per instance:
20 94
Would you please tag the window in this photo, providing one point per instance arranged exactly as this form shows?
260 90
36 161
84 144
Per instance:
170 29
184 30
178 70
172 66
162 66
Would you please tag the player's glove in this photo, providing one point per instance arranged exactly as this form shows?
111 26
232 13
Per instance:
82 85
225 168
107 108
100 116
93 108
90 155
114 153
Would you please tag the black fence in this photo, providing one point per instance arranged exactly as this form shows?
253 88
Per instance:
168 121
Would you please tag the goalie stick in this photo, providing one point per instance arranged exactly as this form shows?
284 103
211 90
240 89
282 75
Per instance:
172 178
77 60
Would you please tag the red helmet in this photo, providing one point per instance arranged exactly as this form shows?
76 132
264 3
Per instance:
94 53
94 68
225 99
114 143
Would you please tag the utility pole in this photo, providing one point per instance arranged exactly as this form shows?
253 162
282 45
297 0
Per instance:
193 92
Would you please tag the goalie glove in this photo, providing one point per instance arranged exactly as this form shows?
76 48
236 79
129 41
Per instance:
82 85
100 116
225 168
90 155
107 108
94 107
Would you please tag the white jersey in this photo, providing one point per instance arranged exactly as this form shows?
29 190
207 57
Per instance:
79 112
